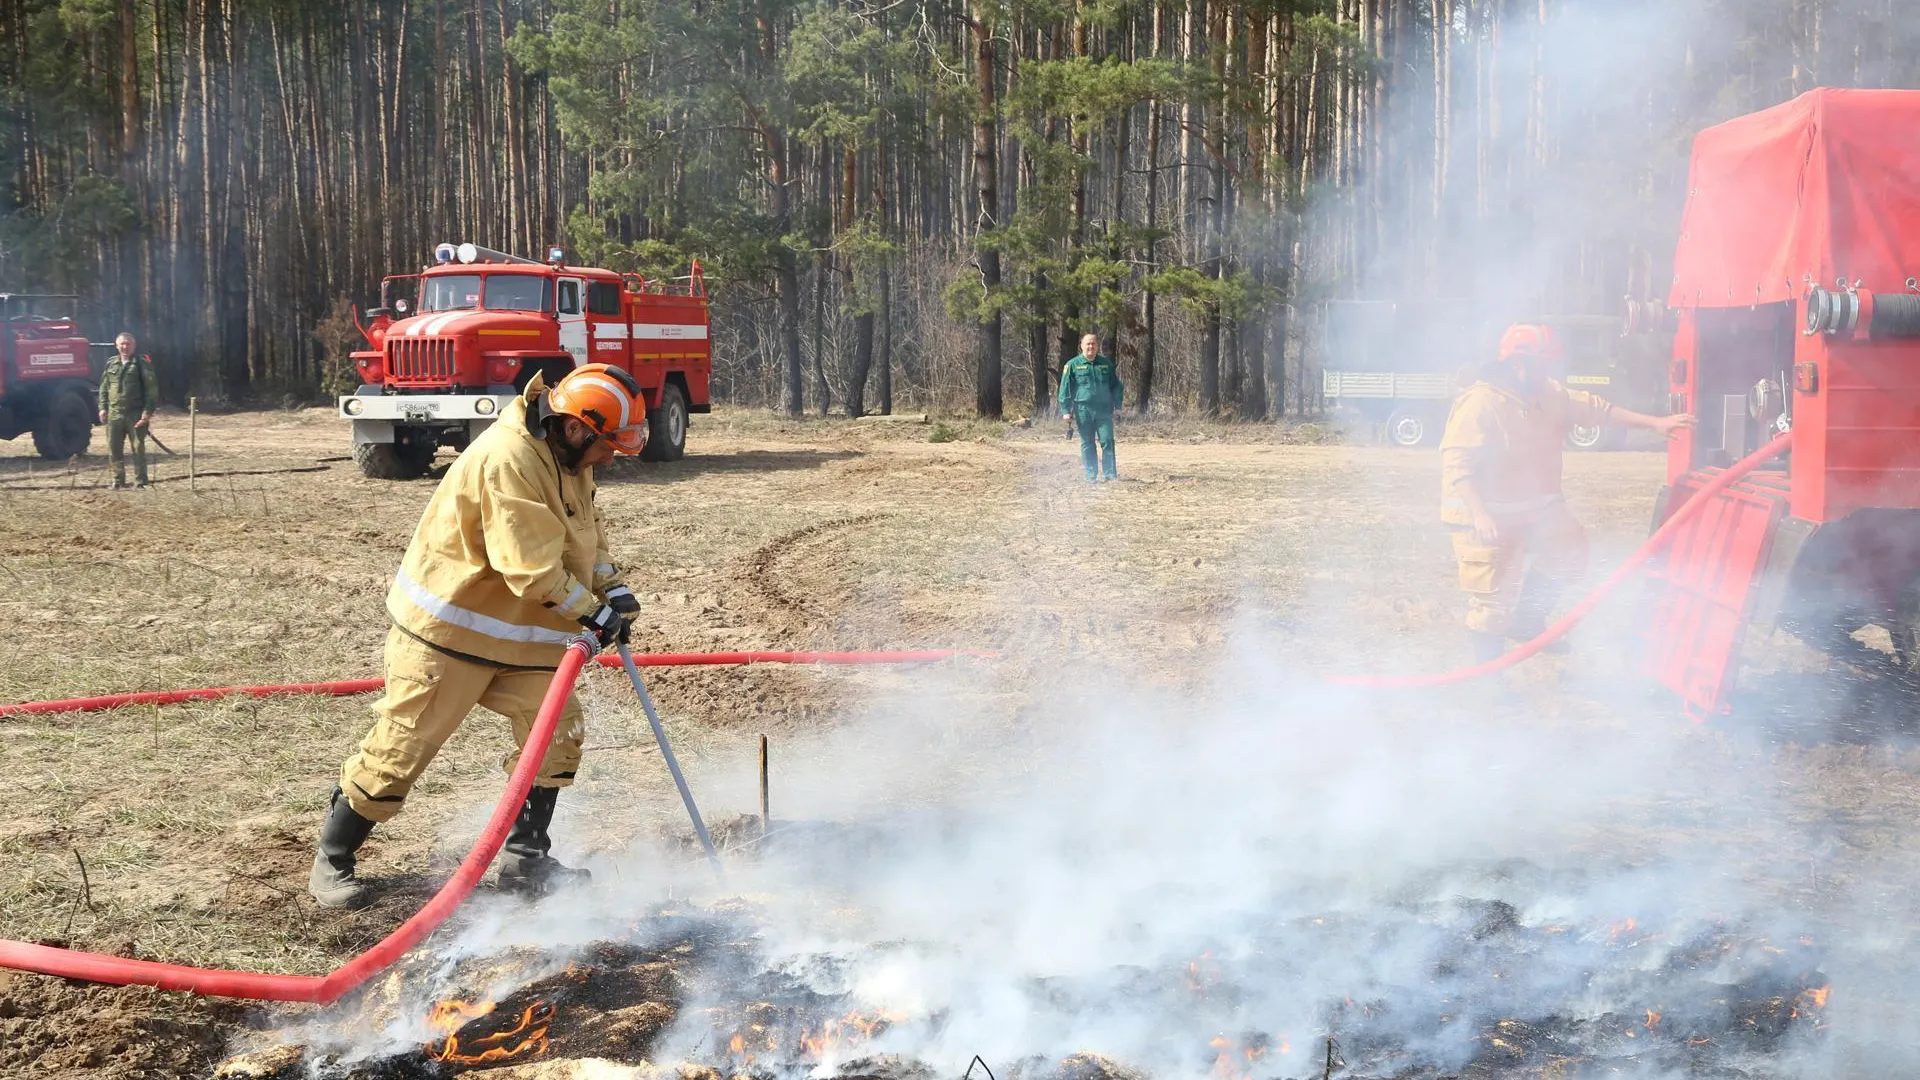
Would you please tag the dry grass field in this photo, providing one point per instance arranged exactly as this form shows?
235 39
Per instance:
194 822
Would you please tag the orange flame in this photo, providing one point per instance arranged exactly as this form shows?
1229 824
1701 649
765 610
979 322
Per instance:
447 1016
1622 929
1653 1020
855 1027
1235 1060
1202 973
528 1035
1817 996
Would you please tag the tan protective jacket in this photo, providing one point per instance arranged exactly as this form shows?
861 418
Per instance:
510 553
1510 446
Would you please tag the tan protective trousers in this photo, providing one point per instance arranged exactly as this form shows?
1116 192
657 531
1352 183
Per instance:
428 695
1491 574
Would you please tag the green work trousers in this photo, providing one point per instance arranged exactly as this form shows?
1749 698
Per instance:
1096 430
119 430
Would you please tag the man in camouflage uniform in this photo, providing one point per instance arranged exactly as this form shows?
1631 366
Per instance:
129 392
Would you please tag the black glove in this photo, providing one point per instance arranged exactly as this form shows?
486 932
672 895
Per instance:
623 602
606 625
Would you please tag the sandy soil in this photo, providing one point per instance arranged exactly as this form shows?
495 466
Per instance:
194 822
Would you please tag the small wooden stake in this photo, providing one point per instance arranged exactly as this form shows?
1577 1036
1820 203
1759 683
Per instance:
193 440
766 817
86 892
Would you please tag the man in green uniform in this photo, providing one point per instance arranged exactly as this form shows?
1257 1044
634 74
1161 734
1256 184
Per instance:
128 394
1090 391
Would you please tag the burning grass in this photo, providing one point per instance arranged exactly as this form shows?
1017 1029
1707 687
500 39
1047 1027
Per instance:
498 1037
1479 990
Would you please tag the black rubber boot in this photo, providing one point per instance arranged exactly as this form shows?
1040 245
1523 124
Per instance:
525 866
1537 597
1486 647
332 882
1492 690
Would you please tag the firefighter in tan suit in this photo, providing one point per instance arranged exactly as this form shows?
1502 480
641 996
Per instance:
509 562
1500 486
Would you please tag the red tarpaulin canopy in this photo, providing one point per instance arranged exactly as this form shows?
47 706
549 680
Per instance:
1826 185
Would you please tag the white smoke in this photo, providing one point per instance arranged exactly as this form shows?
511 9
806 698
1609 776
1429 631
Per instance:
1138 835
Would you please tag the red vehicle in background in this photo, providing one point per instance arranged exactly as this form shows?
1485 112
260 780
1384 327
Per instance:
486 322
1797 290
46 380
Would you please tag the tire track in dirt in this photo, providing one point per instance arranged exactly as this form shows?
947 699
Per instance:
763 565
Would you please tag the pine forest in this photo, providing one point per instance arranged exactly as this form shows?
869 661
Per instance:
897 203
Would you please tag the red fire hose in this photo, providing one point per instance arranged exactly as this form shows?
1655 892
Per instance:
122 971
348 687
1579 611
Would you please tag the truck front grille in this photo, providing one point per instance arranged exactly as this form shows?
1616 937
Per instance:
420 359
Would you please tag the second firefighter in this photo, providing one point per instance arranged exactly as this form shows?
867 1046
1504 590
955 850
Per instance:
1517 544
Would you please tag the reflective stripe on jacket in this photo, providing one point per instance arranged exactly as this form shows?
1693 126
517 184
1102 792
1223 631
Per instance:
509 554
1510 447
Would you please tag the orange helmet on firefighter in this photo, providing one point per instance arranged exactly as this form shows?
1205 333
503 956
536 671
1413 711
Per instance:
1528 340
607 400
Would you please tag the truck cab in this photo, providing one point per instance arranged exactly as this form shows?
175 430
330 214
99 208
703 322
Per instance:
451 346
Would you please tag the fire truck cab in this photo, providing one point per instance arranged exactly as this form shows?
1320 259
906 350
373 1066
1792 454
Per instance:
1797 290
441 366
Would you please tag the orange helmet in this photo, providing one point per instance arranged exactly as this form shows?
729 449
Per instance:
1528 340
607 400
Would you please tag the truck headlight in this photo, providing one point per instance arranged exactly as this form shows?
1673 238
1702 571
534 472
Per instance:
484 406
354 407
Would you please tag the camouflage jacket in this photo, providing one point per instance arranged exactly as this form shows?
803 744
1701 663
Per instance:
129 387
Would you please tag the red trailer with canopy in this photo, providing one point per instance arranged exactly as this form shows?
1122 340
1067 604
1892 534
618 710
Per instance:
1797 291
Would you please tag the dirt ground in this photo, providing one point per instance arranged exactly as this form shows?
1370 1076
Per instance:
184 833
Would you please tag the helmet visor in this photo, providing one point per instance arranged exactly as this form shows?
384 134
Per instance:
628 440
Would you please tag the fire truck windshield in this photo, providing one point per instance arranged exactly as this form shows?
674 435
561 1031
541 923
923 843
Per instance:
496 292
516 292
450 292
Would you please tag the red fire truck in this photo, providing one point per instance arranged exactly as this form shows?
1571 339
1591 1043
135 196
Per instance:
439 368
46 381
1797 289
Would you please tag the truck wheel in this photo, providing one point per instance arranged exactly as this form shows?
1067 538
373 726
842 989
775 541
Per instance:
66 427
1409 428
393 461
1591 438
667 427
